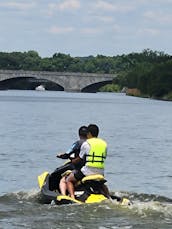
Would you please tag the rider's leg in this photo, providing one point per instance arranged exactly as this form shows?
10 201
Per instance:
72 179
70 182
63 186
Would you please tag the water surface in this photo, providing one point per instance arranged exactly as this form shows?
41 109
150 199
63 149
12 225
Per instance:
36 125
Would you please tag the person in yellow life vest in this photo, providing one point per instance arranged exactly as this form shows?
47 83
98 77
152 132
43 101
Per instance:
93 152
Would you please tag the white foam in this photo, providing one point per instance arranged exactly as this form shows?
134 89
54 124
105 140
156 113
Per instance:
152 207
25 195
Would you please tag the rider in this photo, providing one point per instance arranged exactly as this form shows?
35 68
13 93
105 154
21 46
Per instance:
93 152
72 153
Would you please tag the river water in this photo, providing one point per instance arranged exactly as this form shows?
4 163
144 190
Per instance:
35 126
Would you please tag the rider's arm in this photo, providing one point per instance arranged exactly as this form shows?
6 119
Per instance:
69 152
63 156
76 160
72 148
85 149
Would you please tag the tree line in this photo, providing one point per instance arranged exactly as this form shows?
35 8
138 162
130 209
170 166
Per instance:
149 71
151 74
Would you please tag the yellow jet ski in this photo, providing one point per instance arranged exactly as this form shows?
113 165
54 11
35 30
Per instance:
88 190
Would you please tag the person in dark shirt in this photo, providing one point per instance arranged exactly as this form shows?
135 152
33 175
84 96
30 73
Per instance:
74 150
73 153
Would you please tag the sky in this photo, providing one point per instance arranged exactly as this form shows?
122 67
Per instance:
85 27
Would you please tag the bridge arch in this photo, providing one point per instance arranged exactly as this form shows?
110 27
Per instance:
95 87
29 83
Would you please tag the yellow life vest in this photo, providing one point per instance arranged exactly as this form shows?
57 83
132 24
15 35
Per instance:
97 154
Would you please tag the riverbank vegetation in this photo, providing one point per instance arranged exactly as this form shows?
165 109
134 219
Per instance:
148 73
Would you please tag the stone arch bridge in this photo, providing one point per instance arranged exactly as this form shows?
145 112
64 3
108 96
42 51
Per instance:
68 81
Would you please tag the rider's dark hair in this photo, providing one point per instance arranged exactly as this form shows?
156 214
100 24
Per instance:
93 130
83 131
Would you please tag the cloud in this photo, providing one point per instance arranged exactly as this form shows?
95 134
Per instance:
159 17
116 28
18 6
105 19
149 31
60 30
67 5
90 31
70 29
107 6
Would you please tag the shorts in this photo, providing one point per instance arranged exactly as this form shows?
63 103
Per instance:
78 175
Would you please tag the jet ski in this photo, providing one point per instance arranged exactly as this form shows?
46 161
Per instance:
88 190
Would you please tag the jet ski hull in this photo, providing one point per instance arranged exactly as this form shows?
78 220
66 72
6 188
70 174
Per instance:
90 191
